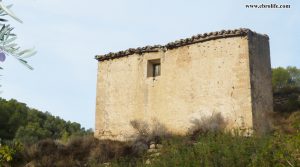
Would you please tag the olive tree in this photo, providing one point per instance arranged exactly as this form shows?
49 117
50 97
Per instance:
8 38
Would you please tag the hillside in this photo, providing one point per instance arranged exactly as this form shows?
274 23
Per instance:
203 147
39 139
21 123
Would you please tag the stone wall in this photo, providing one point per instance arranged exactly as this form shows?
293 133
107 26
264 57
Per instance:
261 81
199 79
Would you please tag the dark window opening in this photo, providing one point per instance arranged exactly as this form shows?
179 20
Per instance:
153 68
156 70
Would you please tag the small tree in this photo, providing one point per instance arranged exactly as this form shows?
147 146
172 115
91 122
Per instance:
280 78
294 76
288 77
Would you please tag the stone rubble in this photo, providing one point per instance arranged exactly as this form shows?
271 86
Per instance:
153 151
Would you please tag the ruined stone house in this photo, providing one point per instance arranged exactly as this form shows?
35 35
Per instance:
226 72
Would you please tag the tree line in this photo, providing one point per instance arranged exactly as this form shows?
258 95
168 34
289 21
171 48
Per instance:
284 78
27 125
21 123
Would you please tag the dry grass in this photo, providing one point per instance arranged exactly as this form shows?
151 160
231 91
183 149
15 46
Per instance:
79 151
286 123
216 123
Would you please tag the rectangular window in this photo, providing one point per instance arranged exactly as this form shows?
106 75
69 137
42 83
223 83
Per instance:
153 68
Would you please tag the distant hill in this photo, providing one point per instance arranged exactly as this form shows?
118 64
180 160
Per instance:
27 125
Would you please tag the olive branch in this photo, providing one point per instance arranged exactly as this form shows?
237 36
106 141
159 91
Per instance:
8 38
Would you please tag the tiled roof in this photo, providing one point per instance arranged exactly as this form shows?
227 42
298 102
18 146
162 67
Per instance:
182 42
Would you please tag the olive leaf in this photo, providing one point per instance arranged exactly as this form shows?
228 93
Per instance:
8 38
9 12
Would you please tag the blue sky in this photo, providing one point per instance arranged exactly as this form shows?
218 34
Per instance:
68 34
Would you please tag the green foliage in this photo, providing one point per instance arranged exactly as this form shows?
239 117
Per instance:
32 132
204 148
217 148
285 77
224 149
280 77
8 152
8 38
294 76
21 123
286 87
9 47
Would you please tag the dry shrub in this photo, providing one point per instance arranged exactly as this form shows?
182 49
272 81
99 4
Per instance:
150 133
44 153
90 149
79 147
159 131
141 142
107 150
79 151
141 127
147 134
215 124
286 123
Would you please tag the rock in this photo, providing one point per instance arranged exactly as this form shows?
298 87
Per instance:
106 164
152 146
151 150
155 155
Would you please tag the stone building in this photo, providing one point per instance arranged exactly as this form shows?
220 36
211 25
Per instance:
226 72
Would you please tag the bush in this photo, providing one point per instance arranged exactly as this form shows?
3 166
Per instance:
216 123
147 134
79 151
9 152
207 145
225 149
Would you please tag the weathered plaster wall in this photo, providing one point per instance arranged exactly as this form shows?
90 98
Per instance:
196 80
261 81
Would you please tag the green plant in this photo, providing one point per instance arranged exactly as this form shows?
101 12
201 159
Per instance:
8 38
8 152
